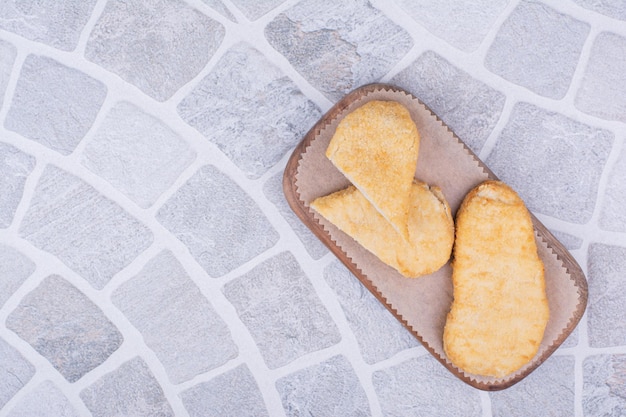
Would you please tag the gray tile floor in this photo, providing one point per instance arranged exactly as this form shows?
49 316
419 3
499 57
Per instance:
149 264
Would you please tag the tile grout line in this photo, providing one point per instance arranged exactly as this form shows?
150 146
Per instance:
212 13
16 69
96 13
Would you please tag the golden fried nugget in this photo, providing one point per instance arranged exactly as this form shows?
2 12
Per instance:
376 148
430 228
500 310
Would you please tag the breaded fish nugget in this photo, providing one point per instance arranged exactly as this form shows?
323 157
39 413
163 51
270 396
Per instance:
430 228
500 310
376 148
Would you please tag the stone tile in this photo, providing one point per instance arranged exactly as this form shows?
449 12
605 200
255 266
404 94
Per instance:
471 20
602 92
88 232
606 275
130 390
538 48
551 387
54 105
176 320
249 109
45 400
55 23
65 327
525 157
570 242
604 387
234 393
137 153
221 225
219 7
469 107
15 372
273 190
7 58
15 166
423 387
613 212
255 9
338 46
614 9
330 388
279 306
156 45
15 267
379 334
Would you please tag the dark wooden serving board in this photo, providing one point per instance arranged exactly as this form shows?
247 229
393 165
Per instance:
422 304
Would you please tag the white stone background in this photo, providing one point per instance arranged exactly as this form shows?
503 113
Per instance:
149 264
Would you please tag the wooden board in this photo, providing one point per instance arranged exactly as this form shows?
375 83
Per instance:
421 304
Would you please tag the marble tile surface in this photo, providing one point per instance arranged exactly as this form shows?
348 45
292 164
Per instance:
150 264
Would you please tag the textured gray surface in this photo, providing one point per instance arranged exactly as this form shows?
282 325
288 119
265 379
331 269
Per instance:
56 23
141 168
249 109
330 388
604 389
569 241
613 214
378 333
175 319
219 6
129 390
278 304
15 371
614 9
45 400
603 90
468 106
15 166
607 276
255 9
421 387
15 267
234 393
69 218
538 48
338 46
65 327
554 162
7 57
142 149
53 104
273 190
158 46
551 388
220 224
471 20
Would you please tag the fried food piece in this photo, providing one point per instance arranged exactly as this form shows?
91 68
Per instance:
430 228
500 310
376 148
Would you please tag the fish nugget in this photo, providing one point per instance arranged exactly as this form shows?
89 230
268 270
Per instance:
499 310
430 227
376 148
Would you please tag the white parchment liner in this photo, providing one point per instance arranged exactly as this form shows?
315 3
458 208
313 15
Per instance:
423 303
